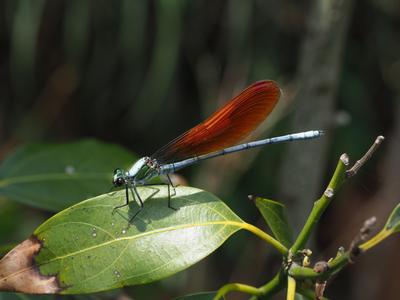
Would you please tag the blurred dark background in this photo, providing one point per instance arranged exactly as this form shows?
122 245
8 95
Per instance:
138 73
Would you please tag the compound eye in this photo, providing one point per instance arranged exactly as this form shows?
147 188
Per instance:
119 181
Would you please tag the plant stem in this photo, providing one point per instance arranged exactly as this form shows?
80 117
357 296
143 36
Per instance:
321 204
267 290
272 287
375 240
335 265
359 163
238 287
309 294
266 237
297 272
291 289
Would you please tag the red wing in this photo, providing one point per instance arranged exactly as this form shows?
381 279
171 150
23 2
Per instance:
227 126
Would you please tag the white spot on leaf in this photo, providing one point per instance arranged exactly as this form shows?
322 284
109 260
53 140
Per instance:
116 273
69 170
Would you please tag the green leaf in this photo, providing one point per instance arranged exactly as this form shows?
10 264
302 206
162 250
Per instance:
275 216
17 296
55 176
392 226
198 296
90 249
393 223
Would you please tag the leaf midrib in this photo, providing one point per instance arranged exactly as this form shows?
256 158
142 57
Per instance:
231 223
143 273
240 225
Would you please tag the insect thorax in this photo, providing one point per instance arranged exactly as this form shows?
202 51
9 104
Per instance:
144 169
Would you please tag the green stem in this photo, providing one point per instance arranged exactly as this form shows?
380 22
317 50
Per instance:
291 289
272 287
307 293
264 291
238 287
266 237
334 266
321 204
376 240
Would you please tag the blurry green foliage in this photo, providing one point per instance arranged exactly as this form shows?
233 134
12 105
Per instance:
117 70
53 177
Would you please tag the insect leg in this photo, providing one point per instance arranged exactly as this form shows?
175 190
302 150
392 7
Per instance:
140 201
126 198
169 192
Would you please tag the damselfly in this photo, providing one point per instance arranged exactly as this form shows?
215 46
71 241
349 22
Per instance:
211 138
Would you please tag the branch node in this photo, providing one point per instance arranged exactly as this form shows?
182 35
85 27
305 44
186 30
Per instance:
340 251
379 139
345 159
321 266
361 237
329 193
359 163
